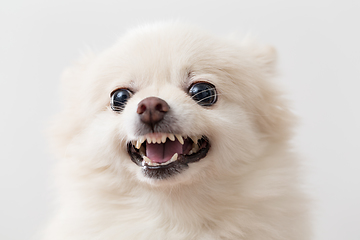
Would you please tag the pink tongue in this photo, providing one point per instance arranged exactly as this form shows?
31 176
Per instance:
162 152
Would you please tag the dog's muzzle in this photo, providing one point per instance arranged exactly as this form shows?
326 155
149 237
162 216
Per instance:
162 155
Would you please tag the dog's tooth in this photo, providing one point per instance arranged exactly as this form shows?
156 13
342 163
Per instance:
194 139
173 158
142 139
158 140
146 159
171 137
154 164
153 140
195 148
142 151
149 162
180 138
148 140
138 144
163 138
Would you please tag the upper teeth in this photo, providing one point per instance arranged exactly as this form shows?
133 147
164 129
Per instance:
160 138
180 138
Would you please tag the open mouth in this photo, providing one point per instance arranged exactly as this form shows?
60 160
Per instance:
162 155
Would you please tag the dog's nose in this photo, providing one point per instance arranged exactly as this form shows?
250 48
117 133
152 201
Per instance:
152 110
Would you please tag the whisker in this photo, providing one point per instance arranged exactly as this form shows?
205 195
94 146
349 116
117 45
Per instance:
119 102
205 98
197 102
202 92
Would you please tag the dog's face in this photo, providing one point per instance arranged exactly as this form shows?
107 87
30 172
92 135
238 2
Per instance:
171 105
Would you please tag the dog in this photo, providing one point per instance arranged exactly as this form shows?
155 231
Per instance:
174 133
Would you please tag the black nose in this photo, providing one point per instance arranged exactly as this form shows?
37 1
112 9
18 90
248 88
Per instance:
152 110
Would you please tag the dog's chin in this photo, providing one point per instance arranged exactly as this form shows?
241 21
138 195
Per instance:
193 174
177 169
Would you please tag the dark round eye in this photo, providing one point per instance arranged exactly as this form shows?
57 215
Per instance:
203 93
119 98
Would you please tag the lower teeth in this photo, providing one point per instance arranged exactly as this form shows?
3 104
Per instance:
146 160
150 163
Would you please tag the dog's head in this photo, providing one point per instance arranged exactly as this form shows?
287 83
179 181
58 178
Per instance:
170 104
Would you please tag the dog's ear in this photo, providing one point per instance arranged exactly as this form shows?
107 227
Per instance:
265 55
68 123
267 58
73 78
274 118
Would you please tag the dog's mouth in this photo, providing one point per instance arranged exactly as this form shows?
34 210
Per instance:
162 155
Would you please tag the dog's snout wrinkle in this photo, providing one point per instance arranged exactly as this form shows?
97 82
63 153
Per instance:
152 110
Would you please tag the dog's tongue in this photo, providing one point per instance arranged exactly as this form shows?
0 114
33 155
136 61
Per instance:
162 152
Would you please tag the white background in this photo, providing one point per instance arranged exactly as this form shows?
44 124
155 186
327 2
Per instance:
318 45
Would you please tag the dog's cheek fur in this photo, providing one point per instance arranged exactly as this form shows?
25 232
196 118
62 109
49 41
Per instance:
96 159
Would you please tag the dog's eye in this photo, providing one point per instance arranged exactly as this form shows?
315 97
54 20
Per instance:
203 93
119 98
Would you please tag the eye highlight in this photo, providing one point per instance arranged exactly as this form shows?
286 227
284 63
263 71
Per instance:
118 99
203 93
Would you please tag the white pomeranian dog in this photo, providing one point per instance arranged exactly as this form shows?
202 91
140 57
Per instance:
176 134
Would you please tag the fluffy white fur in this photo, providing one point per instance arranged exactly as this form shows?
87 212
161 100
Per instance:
247 186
